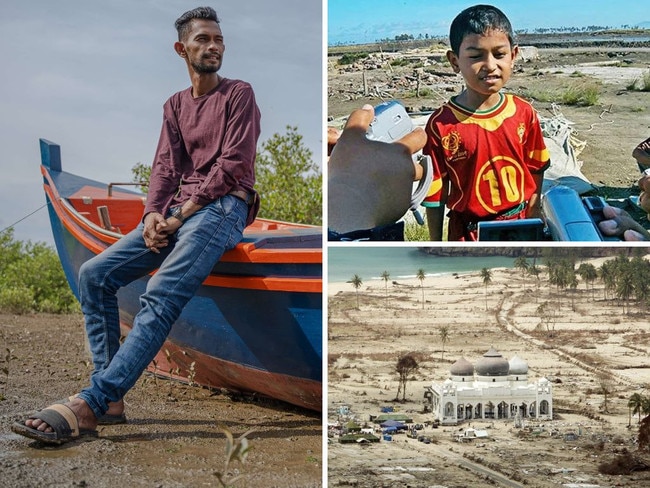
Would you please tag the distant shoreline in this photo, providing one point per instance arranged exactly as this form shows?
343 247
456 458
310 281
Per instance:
633 38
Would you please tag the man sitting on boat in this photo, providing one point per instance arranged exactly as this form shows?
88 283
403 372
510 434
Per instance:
200 199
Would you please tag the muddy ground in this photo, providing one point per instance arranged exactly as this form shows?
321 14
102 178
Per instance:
594 354
610 128
173 438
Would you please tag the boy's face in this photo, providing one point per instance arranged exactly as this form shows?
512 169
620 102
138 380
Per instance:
485 61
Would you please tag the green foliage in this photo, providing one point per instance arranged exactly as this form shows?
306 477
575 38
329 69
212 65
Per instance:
141 174
580 94
17 300
288 181
584 95
642 84
415 232
399 62
349 58
32 279
423 92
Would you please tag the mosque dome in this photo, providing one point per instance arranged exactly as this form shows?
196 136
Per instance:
462 367
492 364
518 366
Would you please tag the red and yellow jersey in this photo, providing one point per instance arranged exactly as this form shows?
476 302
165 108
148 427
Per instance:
488 156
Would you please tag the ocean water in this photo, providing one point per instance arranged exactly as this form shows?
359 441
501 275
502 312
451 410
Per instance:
401 262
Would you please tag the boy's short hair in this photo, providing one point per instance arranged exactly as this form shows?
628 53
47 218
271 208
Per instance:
184 22
478 19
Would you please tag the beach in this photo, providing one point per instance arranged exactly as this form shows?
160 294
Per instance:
594 355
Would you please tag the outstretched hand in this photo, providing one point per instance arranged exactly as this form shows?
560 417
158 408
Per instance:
370 182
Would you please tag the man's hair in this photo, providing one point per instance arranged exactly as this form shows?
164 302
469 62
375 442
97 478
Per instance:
184 23
478 19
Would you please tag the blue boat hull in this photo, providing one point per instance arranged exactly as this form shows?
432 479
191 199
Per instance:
256 323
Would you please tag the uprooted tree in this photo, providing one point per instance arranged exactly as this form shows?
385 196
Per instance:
405 366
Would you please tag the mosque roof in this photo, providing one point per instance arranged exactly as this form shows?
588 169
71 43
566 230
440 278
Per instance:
518 366
462 367
492 364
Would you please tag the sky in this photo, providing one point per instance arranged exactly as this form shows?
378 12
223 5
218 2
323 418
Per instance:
359 21
93 77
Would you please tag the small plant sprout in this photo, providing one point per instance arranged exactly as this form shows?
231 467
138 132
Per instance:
155 372
190 378
5 370
191 374
236 450
172 372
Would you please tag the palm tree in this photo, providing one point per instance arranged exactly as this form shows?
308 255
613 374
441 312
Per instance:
421 275
641 280
587 272
573 284
444 337
386 276
608 277
625 289
521 263
635 404
357 282
486 276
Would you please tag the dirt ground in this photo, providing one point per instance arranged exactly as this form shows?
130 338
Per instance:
611 128
173 438
594 355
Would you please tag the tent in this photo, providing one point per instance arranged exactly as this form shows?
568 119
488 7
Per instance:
396 424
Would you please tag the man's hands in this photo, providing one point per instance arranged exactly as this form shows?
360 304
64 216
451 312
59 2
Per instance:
157 230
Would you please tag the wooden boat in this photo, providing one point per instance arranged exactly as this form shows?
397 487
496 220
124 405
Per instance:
256 323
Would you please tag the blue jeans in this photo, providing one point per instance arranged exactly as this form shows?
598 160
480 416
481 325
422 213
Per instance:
182 266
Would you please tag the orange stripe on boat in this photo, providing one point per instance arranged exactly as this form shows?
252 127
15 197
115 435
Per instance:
302 285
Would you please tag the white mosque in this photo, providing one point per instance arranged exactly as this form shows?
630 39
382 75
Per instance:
493 388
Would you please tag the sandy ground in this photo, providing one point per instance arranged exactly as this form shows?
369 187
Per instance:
610 129
592 345
173 438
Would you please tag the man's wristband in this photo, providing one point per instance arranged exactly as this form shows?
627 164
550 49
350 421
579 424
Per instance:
177 213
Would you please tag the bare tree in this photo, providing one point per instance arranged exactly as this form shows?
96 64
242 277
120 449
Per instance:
606 390
547 315
406 364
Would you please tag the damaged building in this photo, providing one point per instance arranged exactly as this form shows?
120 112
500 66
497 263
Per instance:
492 388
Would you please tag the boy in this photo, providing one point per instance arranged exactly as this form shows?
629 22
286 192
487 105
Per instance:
487 147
